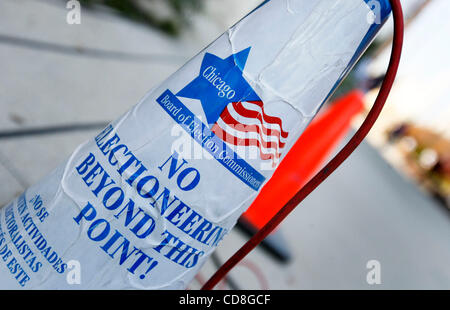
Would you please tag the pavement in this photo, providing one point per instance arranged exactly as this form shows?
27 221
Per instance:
54 74
365 211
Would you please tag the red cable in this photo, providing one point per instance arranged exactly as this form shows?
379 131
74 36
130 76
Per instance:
335 162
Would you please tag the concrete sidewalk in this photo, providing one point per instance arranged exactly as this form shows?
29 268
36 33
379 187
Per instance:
365 211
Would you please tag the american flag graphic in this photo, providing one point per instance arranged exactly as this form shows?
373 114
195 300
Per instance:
247 124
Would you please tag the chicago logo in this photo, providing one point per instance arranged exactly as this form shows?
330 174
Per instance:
235 113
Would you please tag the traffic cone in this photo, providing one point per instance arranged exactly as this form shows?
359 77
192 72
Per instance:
305 158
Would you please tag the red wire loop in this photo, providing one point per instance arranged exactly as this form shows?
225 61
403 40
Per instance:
335 162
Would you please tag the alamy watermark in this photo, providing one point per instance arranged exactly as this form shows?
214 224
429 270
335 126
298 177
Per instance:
374 16
73 17
374 275
243 140
74 272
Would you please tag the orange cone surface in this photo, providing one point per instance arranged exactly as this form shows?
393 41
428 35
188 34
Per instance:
305 158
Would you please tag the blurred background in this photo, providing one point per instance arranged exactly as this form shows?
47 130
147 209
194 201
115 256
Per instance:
61 83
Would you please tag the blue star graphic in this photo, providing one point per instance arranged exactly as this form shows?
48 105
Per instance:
220 83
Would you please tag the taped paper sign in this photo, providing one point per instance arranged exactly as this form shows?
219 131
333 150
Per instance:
144 203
